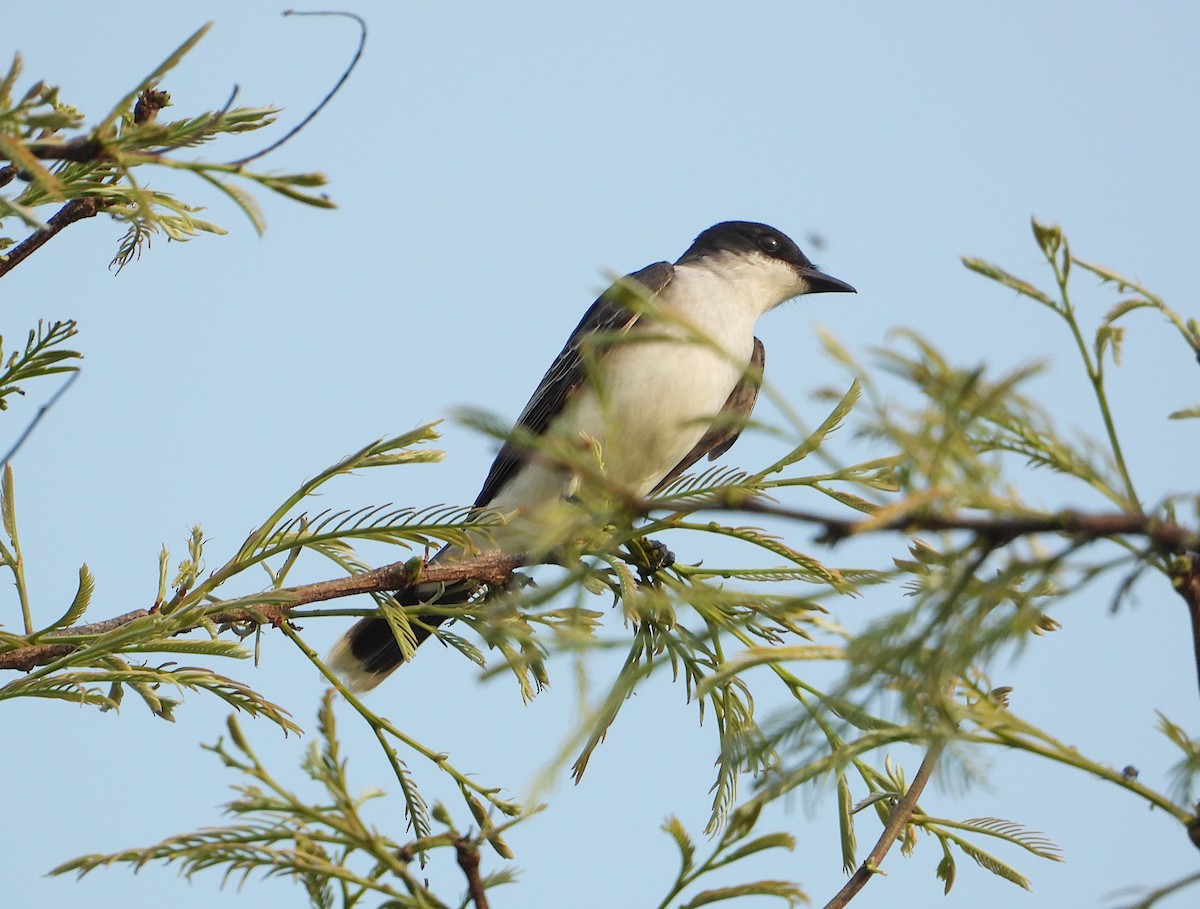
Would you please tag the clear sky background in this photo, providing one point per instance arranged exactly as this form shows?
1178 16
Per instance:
492 164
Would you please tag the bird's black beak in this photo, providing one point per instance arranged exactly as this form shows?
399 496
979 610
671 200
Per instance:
821 283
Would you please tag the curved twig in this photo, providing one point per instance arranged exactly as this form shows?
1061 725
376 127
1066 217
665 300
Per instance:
898 820
362 43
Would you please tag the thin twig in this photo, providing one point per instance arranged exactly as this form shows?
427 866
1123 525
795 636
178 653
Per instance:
898 820
75 210
42 411
362 43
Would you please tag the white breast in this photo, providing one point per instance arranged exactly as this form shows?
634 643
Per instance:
652 400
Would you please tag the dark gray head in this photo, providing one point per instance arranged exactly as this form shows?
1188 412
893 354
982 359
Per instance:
750 240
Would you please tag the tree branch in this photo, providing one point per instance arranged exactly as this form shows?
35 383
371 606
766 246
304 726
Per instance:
75 210
1000 530
493 569
1187 584
468 861
898 820
80 149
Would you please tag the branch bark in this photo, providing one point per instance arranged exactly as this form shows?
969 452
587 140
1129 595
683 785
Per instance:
496 568
1000 530
80 149
75 210
897 821
493 569
1187 585
468 861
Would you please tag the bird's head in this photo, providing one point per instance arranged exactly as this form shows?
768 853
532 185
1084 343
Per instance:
764 257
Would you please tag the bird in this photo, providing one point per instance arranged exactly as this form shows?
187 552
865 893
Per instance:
682 388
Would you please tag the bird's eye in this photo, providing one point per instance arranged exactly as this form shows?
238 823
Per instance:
768 244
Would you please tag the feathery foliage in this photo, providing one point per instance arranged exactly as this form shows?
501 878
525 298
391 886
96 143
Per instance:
55 159
324 845
980 572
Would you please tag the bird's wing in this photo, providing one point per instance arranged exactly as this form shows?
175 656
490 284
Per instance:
568 371
730 421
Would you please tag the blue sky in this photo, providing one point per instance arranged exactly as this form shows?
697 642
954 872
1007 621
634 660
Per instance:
493 164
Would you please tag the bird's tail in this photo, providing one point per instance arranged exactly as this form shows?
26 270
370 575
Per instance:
368 653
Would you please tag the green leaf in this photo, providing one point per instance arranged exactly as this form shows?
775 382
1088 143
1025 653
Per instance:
401 628
848 499
1049 237
760 844
1012 832
687 849
242 199
9 80
831 422
1188 413
991 863
946 867
817 572
79 605
1126 306
873 798
998 274
1104 274
783 889
7 503
1106 335
227 649
846 825
286 186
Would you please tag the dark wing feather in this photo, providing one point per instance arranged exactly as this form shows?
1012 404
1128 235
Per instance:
730 421
568 371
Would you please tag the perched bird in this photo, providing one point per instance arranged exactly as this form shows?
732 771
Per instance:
680 389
